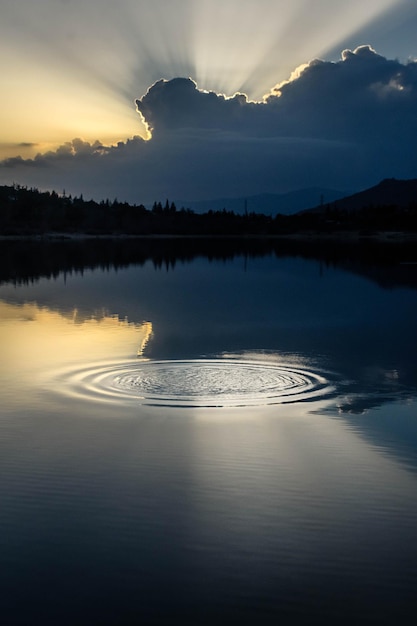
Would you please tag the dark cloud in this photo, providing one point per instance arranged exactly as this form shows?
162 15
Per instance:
178 103
363 91
76 151
345 124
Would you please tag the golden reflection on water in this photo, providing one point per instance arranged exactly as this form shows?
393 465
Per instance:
36 338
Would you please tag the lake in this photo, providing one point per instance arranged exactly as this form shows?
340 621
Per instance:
199 433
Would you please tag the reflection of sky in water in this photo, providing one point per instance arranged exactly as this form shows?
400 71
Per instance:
291 310
36 340
259 507
284 305
43 334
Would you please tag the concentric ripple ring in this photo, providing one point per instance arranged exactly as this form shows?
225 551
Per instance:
197 383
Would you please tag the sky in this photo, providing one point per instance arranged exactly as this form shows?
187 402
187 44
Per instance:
145 100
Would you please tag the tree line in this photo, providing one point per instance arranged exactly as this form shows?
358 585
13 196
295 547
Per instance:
25 211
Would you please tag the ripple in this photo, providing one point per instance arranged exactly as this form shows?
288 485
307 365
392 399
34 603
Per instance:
196 383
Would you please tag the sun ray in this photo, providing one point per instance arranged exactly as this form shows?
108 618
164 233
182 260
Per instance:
89 61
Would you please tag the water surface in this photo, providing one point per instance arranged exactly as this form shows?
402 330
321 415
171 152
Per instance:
208 441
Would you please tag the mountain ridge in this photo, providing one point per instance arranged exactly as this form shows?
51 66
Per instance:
400 193
288 203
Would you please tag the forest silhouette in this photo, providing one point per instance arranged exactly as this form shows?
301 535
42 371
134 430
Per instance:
26 211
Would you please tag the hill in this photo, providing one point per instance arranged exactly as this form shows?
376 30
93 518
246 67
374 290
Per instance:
390 192
269 203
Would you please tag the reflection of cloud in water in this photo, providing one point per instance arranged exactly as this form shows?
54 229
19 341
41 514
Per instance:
374 387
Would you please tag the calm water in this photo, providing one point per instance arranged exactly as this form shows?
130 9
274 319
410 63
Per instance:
206 442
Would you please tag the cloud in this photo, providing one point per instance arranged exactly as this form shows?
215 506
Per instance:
342 124
178 103
323 99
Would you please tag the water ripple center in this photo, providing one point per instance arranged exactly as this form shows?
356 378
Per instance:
198 383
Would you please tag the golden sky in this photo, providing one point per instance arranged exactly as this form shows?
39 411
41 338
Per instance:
73 68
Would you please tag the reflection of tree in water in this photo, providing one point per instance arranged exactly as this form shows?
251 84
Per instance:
24 261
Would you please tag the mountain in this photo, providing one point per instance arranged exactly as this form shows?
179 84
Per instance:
268 203
389 192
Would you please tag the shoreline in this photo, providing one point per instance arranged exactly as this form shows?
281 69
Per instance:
307 236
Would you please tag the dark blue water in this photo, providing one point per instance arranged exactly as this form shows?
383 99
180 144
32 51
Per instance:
216 442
